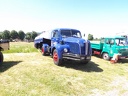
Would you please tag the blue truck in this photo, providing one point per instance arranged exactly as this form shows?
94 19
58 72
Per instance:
64 43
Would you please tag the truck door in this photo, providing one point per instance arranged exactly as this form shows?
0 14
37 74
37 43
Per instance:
109 46
55 38
112 47
106 47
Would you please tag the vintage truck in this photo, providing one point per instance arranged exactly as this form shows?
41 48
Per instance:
4 45
64 43
107 47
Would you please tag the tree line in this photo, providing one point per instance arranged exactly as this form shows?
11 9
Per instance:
91 37
20 35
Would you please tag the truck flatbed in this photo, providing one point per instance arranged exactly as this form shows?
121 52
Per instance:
97 45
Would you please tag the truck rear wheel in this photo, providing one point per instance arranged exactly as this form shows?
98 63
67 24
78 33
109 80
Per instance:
105 56
1 58
42 51
56 58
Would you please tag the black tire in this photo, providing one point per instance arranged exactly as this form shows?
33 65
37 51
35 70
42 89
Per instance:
105 56
56 58
1 58
93 53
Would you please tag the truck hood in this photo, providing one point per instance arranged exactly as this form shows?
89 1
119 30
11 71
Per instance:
78 45
74 39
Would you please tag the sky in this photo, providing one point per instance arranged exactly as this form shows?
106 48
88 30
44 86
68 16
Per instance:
97 17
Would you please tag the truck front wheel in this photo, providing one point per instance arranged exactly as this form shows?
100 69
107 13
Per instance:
56 58
1 58
106 56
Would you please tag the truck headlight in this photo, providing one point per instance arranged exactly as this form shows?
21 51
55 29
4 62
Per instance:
65 50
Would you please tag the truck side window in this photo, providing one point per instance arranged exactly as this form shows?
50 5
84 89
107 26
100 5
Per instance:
55 34
107 41
117 41
111 41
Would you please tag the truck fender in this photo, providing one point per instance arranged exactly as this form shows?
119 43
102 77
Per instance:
45 48
60 49
104 52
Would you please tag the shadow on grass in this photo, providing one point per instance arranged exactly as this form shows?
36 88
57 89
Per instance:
6 65
90 67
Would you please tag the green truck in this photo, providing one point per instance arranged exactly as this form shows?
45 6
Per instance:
109 46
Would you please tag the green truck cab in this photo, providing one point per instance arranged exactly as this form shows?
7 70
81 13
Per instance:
109 46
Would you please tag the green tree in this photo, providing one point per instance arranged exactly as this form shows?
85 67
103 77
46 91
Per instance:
28 36
14 34
90 37
21 35
1 35
6 34
33 35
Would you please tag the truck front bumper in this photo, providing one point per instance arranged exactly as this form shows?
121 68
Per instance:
123 57
76 57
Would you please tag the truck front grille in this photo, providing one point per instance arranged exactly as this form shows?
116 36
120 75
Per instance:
76 48
85 49
123 52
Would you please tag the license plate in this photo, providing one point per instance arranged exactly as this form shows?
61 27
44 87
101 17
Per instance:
82 58
122 57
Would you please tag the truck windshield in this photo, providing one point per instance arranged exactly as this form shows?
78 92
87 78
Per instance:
70 33
121 42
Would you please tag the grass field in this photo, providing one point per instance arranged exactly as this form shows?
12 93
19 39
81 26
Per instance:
31 74
21 47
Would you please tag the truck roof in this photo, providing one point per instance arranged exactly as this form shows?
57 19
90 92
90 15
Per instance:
115 37
47 34
65 29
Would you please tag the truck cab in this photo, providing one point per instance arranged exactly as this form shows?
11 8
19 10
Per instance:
64 43
109 46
